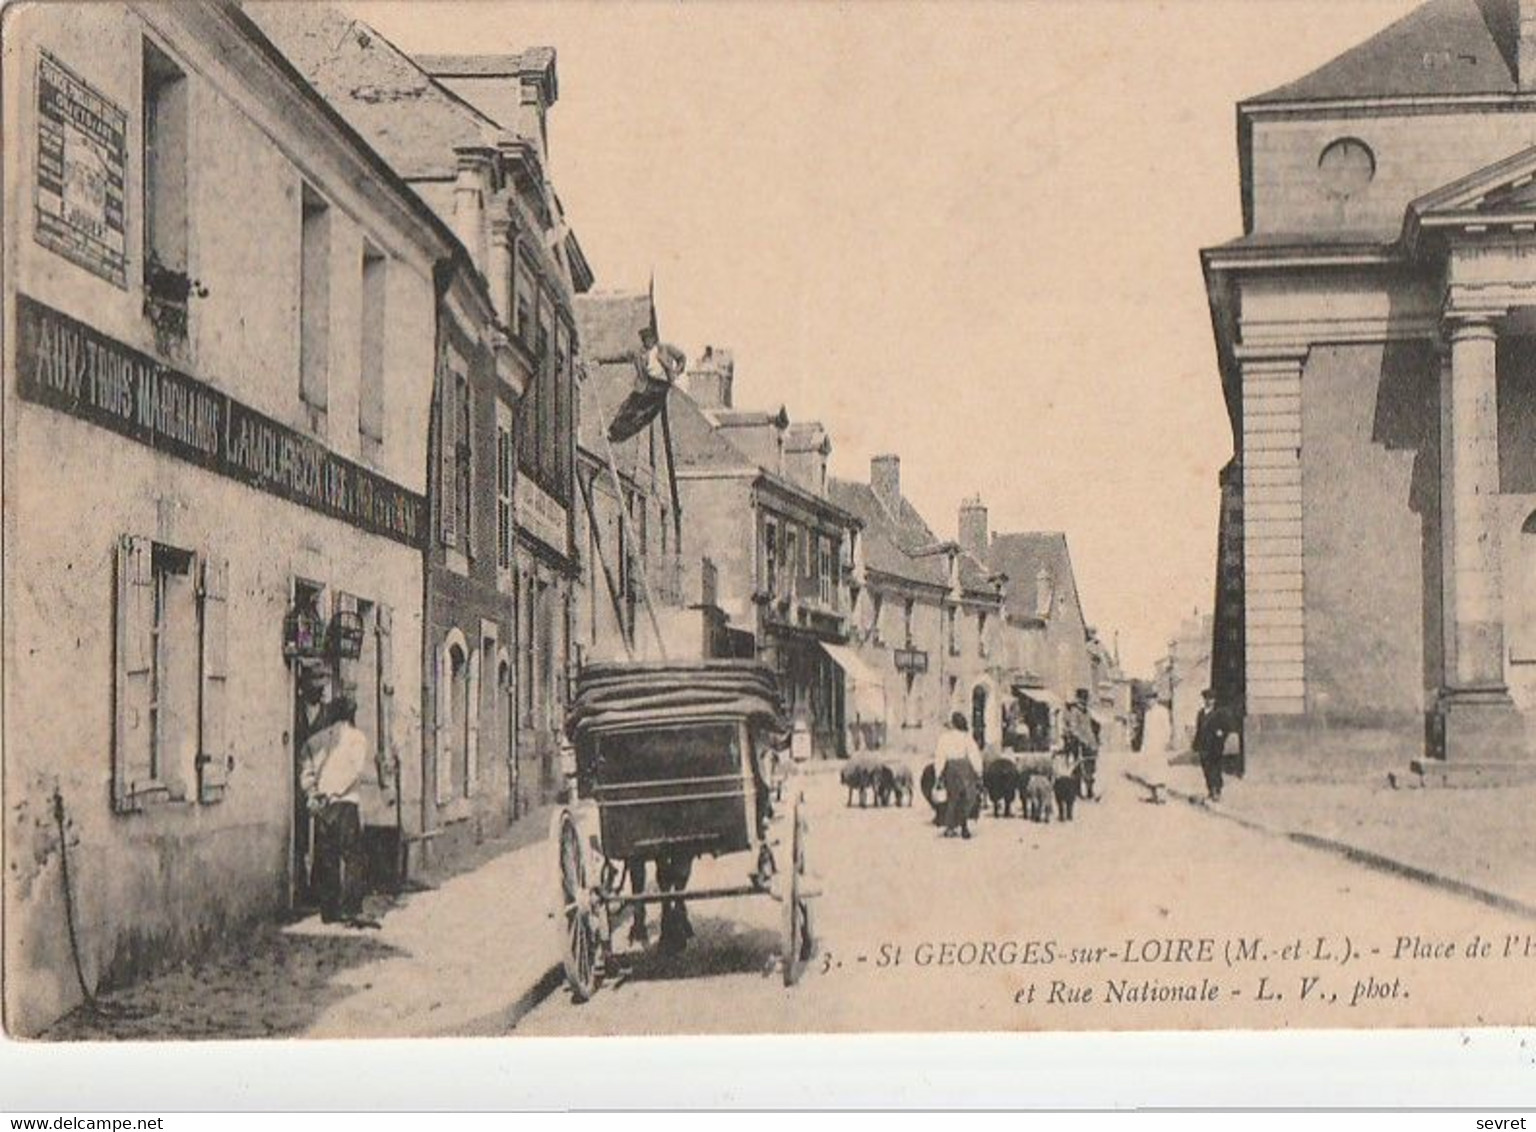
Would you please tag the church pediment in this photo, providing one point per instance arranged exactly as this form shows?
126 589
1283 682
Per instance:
1498 195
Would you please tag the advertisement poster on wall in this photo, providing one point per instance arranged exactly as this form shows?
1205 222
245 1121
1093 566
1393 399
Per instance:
82 154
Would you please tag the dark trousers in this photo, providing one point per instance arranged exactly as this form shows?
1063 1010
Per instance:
338 877
1211 765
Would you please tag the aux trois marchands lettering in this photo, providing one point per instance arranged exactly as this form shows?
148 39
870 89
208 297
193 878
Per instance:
68 366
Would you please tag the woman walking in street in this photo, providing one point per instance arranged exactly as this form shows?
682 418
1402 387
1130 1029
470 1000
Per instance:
957 764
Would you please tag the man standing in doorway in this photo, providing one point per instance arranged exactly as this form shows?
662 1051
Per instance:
334 760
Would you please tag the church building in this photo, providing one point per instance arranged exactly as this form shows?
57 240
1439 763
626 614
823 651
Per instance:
1376 331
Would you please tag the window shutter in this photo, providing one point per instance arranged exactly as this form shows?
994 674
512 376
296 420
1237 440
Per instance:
133 756
385 756
472 728
447 481
214 755
444 725
467 410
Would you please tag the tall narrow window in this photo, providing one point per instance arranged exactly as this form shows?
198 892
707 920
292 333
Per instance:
771 559
503 488
523 300
314 300
370 394
165 166
464 474
791 561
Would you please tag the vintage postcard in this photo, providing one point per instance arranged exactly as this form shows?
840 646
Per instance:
542 519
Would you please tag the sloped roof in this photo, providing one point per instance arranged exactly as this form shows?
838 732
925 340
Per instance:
886 540
975 575
1444 47
414 122
609 322
695 440
1021 556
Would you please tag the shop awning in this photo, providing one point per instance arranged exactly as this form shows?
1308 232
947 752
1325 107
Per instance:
1039 695
866 691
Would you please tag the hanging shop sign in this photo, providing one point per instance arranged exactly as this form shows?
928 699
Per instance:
82 157
68 366
540 514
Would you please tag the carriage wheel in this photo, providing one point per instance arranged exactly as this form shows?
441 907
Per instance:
798 943
579 927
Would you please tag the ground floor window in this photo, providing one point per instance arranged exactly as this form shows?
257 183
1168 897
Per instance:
170 742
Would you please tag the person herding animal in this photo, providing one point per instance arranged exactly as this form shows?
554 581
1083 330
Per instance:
957 766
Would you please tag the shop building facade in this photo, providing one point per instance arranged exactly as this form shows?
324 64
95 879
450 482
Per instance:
925 620
776 541
469 134
215 449
1045 636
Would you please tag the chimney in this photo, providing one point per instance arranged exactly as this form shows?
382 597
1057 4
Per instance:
973 531
710 378
885 478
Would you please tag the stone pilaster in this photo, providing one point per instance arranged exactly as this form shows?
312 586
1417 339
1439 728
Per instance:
1274 567
498 268
470 189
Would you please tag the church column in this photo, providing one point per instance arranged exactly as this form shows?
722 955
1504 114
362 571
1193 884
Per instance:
1469 446
1274 614
1477 719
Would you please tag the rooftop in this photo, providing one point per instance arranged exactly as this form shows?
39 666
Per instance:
414 122
1028 558
1444 47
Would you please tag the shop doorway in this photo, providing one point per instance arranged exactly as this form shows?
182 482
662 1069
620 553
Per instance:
310 688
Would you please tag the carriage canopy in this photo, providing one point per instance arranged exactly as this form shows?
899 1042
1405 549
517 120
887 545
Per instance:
614 696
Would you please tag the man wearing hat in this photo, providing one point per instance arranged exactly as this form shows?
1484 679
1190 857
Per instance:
1082 738
1211 729
331 776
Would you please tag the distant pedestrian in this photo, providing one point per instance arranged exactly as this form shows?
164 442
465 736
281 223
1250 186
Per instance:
1157 729
1212 726
1082 739
334 761
957 765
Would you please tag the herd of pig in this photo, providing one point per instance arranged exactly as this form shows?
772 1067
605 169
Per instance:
1036 781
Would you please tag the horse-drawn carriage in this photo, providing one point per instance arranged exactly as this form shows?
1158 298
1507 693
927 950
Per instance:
674 761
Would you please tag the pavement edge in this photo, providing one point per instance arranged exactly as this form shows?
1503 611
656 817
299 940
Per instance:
1378 861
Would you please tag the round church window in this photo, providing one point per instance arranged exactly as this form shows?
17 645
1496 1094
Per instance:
1346 167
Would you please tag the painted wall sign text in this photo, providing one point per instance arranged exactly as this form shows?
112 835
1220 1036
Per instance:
66 365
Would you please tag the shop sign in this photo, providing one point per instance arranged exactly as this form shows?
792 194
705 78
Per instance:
540 514
82 151
911 660
68 366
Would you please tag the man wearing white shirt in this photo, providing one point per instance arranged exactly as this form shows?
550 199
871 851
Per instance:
334 761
